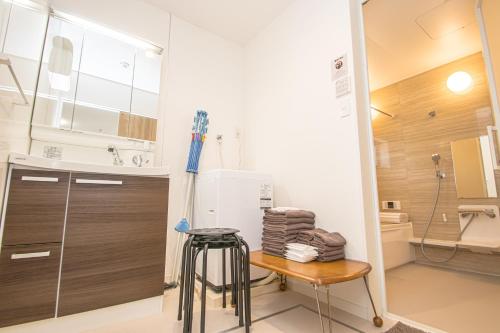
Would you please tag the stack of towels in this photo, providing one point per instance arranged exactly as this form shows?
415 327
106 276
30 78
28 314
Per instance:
300 252
330 245
281 226
392 217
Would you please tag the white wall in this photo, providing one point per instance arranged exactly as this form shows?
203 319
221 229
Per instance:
204 72
294 129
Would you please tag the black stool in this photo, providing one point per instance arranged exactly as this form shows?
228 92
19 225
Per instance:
215 238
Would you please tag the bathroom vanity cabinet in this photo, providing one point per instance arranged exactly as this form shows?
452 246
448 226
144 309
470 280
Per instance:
76 241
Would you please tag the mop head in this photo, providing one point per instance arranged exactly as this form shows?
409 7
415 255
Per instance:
182 226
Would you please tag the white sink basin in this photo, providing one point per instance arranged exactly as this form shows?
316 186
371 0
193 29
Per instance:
47 163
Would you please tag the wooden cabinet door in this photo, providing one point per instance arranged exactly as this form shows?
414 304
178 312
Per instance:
114 248
36 206
28 283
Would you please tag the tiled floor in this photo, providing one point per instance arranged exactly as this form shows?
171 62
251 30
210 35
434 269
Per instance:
299 319
453 301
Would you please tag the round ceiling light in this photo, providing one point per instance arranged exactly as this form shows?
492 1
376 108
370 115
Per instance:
459 82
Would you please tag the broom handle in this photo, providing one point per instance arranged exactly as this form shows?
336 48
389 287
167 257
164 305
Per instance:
189 190
180 236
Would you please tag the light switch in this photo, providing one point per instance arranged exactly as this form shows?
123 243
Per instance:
345 109
342 86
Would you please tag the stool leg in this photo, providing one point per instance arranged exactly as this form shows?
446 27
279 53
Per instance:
239 280
188 318
203 289
224 278
319 308
187 285
187 281
377 321
248 307
181 285
233 281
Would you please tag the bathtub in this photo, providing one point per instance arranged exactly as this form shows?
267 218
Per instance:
396 244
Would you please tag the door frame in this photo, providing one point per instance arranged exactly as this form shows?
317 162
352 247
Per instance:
369 172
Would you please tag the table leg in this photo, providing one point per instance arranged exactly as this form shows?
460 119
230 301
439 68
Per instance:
329 309
377 321
319 308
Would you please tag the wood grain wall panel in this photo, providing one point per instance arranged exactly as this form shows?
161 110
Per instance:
412 136
35 209
28 287
114 249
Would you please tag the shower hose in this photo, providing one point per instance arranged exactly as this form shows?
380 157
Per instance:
429 223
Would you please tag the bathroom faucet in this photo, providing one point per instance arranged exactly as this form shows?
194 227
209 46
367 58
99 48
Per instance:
116 155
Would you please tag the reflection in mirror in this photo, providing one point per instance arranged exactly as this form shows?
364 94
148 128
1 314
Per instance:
473 167
93 80
104 84
58 75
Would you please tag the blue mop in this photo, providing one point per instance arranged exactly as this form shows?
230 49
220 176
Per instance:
199 131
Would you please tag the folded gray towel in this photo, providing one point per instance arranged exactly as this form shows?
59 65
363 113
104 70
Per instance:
330 253
285 220
282 238
291 227
331 258
309 234
330 239
278 245
326 248
273 253
273 250
292 213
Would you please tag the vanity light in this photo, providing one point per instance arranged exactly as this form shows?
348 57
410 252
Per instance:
140 43
459 82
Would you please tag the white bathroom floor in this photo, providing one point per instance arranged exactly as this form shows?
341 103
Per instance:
453 301
298 319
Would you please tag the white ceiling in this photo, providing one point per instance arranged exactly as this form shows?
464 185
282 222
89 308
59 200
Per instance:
236 20
408 37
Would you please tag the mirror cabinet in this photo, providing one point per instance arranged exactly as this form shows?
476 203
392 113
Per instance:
92 81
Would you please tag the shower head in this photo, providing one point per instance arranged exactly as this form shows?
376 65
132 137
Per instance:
439 174
436 158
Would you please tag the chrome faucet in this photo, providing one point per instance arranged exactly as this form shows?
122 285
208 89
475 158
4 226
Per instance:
116 155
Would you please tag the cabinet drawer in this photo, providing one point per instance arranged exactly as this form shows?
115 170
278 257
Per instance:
28 283
36 207
114 248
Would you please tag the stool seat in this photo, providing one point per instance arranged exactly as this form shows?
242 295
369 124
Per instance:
212 231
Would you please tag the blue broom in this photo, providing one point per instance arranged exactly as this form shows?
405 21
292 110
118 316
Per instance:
199 131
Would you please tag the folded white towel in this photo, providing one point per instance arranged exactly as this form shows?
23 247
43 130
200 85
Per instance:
300 252
393 217
300 246
300 258
283 209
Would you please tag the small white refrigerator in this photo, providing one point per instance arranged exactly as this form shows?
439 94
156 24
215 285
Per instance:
231 199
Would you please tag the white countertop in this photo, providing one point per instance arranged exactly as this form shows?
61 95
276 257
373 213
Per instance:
46 163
